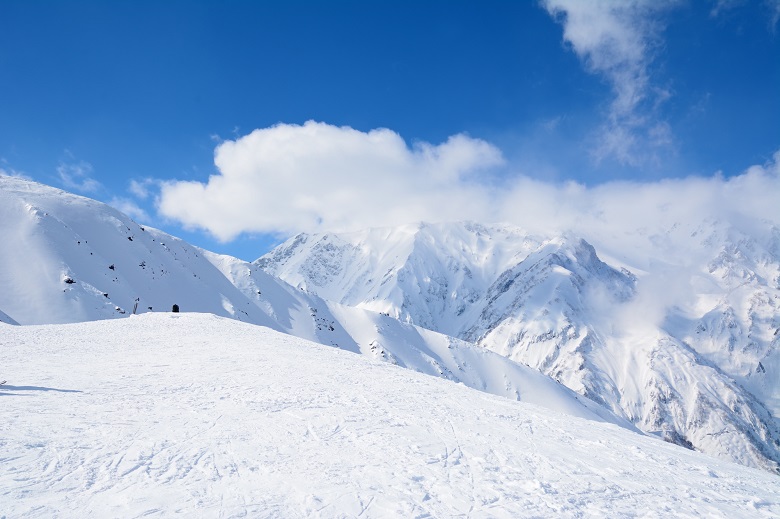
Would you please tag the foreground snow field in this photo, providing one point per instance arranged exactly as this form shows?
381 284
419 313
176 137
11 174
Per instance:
201 416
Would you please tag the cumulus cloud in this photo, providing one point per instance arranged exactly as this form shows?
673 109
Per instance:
317 177
617 40
78 176
290 178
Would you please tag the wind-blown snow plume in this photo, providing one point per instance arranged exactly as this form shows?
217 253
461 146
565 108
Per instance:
10 172
77 176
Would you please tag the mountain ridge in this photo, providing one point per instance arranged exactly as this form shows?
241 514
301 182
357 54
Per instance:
70 259
621 336
682 351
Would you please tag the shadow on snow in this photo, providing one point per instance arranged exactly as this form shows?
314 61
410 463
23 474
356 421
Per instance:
6 390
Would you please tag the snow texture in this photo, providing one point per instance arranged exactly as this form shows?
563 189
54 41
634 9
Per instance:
680 334
676 333
72 259
67 258
202 416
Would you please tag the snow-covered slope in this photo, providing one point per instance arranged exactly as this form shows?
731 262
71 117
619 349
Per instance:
702 372
384 338
67 258
681 339
201 416
426 274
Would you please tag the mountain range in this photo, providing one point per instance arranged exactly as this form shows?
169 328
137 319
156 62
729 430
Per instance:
686 351
674 332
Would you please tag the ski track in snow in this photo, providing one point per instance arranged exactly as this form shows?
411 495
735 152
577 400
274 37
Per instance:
200 416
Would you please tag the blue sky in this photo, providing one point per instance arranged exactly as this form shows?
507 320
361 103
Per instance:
115 99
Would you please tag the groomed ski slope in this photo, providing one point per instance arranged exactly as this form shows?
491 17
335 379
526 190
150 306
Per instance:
200 416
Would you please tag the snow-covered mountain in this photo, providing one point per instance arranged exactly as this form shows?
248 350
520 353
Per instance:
458 301
382 337
680 336
195 415
66 259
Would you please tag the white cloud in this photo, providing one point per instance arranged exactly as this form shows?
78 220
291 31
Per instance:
143 188
77 176
633 205
617 40
289 178
317 177
774 12
130 208
659 230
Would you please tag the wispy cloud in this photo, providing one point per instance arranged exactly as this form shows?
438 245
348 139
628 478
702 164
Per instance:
7 171
771 9
143 188
722 6
618 40
774 12
77 175
130 208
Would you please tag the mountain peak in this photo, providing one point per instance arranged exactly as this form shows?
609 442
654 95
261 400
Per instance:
685 345
621 335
